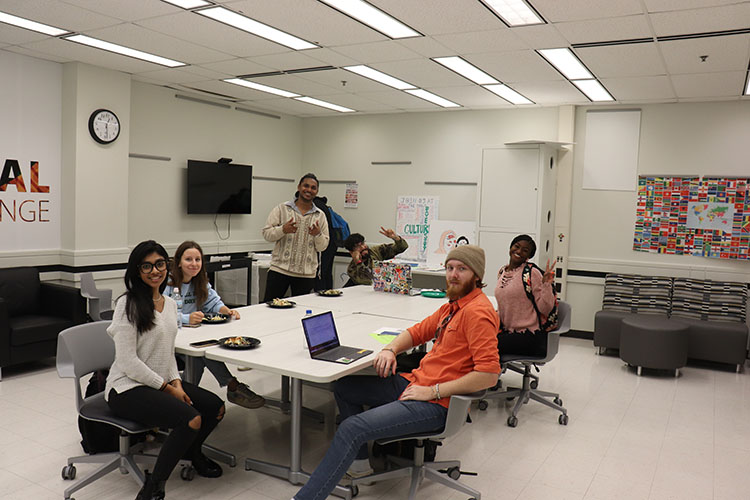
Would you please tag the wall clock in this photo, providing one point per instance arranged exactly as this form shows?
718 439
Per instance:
104 126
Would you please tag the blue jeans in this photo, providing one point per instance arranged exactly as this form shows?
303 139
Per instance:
387 417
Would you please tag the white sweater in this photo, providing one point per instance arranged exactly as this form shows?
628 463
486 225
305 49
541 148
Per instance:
146 358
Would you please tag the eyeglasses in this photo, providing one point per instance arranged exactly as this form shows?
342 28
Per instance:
146 267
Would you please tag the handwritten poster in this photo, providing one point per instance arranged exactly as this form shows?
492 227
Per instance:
413 217
351 198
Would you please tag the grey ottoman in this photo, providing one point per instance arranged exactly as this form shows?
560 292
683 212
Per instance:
653 342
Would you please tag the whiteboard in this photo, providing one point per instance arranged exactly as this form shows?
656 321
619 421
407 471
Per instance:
610 158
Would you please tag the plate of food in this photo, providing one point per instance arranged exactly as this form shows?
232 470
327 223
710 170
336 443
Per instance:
330 293
214 319
280 303
239 342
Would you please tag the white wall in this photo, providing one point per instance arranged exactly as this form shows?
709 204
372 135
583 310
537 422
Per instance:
442 146
676 139
163 125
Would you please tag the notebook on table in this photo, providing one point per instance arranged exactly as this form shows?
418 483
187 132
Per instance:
323 340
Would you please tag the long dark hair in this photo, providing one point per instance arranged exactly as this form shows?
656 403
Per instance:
139 307
199 281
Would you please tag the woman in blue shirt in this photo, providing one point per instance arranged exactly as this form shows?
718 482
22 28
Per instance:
199 298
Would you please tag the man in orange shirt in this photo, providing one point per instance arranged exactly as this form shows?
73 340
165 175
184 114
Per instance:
463 359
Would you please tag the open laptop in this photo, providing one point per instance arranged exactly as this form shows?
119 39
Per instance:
323 340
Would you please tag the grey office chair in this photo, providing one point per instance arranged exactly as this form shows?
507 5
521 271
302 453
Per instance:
100 301
82 350
523 363
418 469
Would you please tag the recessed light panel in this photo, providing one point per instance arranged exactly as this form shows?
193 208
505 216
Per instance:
380 77
262 88
126 51
243 23
465 69
31 25
514 12
508 94
324 104
593 90
373 17
188 4
566 63
435 99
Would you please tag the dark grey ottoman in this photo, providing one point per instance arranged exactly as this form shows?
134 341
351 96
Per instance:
654 342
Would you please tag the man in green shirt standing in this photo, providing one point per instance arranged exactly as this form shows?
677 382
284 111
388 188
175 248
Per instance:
363 256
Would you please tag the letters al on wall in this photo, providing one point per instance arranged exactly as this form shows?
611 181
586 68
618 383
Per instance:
706 217
30 133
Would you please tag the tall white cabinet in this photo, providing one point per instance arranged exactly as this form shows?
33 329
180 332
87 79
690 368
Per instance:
517 190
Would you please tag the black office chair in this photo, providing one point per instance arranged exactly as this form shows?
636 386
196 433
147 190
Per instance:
522 363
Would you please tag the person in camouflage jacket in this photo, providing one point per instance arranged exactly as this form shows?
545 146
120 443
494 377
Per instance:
363 256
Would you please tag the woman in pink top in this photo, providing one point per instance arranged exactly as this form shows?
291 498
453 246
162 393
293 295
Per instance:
519 322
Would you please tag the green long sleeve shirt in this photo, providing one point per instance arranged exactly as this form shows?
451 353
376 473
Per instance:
361 273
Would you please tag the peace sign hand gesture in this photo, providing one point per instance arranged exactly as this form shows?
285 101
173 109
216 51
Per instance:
390 233
549 274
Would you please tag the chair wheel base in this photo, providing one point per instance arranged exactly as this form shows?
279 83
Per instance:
187 473
562 419
69 472
512 421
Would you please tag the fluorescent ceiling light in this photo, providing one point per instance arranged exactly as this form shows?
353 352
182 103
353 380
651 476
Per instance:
239 21
435 99
508 94
188 4
747 88
31 25
378 76
567 63
126 51
262 88
593 90
373 17
466 70
324 104
514 12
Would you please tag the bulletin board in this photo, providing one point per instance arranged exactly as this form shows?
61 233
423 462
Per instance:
701 216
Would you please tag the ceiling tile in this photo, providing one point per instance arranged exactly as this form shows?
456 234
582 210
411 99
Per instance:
139 38
684 22
709 84
517 66
543 36
399 100
575 10
600 30
367 53
126 11
482 41
298 85
359 103
645 88
39 55
11 35
175 75
334 78
551 92
58 14
425 46
313 21
203 31
228 90
431 17
727 53
236 67
664 5
58 47
331 57
472 96
638 59
288 60
421 73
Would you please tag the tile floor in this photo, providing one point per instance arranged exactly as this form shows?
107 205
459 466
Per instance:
629 438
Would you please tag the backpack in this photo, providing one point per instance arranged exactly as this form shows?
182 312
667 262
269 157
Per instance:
546 323
98 437
339 228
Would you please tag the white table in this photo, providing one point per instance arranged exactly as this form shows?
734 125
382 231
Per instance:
283 354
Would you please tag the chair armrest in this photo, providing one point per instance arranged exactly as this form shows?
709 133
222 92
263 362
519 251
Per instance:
63 301
4 334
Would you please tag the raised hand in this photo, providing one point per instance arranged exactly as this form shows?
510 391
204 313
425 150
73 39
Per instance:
549 274
290 226
389 232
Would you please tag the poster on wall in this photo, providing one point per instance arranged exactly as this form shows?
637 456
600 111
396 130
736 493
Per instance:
444 235
705 217
414 214
30 153
351 197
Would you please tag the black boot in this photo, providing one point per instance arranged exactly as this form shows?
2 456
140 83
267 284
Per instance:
152 489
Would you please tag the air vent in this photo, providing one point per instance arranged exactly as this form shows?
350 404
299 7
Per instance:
288 72
707 34
612 42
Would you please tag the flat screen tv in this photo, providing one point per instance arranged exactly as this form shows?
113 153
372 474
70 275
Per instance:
219 188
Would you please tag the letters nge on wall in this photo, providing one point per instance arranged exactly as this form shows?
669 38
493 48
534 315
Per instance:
30 153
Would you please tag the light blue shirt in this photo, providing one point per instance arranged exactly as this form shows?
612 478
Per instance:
212 304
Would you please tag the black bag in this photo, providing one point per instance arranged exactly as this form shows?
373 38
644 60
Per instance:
405 449
406 362
98 437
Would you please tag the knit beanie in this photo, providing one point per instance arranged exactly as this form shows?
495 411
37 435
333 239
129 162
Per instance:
471 255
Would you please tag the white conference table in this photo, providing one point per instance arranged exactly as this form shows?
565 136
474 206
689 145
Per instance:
282 353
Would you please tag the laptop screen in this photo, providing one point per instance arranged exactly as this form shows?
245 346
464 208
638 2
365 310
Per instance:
320 332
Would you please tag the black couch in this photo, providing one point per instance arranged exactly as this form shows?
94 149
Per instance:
32 314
